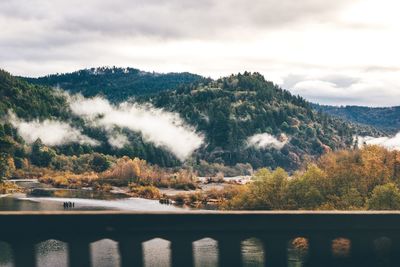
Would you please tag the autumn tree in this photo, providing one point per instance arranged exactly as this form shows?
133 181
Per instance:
385 197
268 191
307 190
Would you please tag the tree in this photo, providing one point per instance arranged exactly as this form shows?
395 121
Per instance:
385 197
269 189
2 133
41 155
99 162
4 168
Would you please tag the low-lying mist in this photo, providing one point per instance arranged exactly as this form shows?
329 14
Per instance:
51 132
391 143
162 128
265 140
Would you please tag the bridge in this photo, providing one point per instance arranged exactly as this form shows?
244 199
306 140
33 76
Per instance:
275 229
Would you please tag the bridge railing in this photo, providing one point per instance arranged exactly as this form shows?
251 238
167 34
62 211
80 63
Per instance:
22 230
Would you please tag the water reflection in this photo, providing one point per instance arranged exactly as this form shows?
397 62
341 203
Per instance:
52 253
105 253
205 252
157 252
253 254
6 259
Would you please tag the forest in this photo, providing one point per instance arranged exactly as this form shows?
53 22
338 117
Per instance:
227 111
358 179
117 84
311 160
386 119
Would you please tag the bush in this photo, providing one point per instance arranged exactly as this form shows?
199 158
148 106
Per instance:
7 187
385 197
149 192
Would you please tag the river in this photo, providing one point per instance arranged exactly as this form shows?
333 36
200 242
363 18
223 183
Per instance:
104 252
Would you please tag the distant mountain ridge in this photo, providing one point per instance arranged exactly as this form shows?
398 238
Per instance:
120 84
386 119
117 84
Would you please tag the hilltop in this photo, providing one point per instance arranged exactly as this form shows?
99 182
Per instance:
116 84
233 109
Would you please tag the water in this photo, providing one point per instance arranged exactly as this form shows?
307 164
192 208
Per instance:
105 252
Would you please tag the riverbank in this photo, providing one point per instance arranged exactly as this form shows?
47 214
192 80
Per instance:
206 195
9 188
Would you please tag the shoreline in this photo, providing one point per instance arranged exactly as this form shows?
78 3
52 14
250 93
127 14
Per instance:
207 195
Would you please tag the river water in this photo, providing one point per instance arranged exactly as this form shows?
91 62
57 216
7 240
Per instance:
105 252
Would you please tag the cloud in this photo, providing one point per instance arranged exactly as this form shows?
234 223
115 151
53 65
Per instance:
49 36
391 143
118 140
161 18
163 129
370 90
317 40
265 140
51 132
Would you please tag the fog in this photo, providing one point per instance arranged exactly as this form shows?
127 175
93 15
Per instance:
162 128
118 140
392 143
51 132
265 140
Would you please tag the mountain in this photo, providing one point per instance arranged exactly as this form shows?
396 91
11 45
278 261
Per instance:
117 84
386 119
41 103
235 110
28 100
244 119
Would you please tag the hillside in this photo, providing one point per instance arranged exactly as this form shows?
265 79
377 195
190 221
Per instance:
243 119
117 84
231 110
386 119
42 105
28 100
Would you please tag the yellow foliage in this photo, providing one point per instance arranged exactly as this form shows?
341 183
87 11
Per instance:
139 172
8 187
149 192
69 180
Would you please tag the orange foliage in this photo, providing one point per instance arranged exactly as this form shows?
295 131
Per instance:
137 171
362 168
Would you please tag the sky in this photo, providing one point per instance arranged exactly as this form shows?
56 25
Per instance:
338 52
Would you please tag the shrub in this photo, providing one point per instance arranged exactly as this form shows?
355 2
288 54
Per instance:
149 192
385 197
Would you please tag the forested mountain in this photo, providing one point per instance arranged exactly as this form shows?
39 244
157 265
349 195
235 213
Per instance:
386 119
28 100
232 109
37 103
116 84
244 119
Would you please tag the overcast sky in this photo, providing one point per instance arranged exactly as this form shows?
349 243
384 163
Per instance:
331 52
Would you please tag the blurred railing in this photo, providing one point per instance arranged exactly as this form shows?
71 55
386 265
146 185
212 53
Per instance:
363 230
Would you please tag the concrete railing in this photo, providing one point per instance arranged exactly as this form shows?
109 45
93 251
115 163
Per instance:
22 230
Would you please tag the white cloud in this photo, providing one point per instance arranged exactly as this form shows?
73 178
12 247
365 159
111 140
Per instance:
311 38
378 89
51 132
164 129
118 140
265 140
391 143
